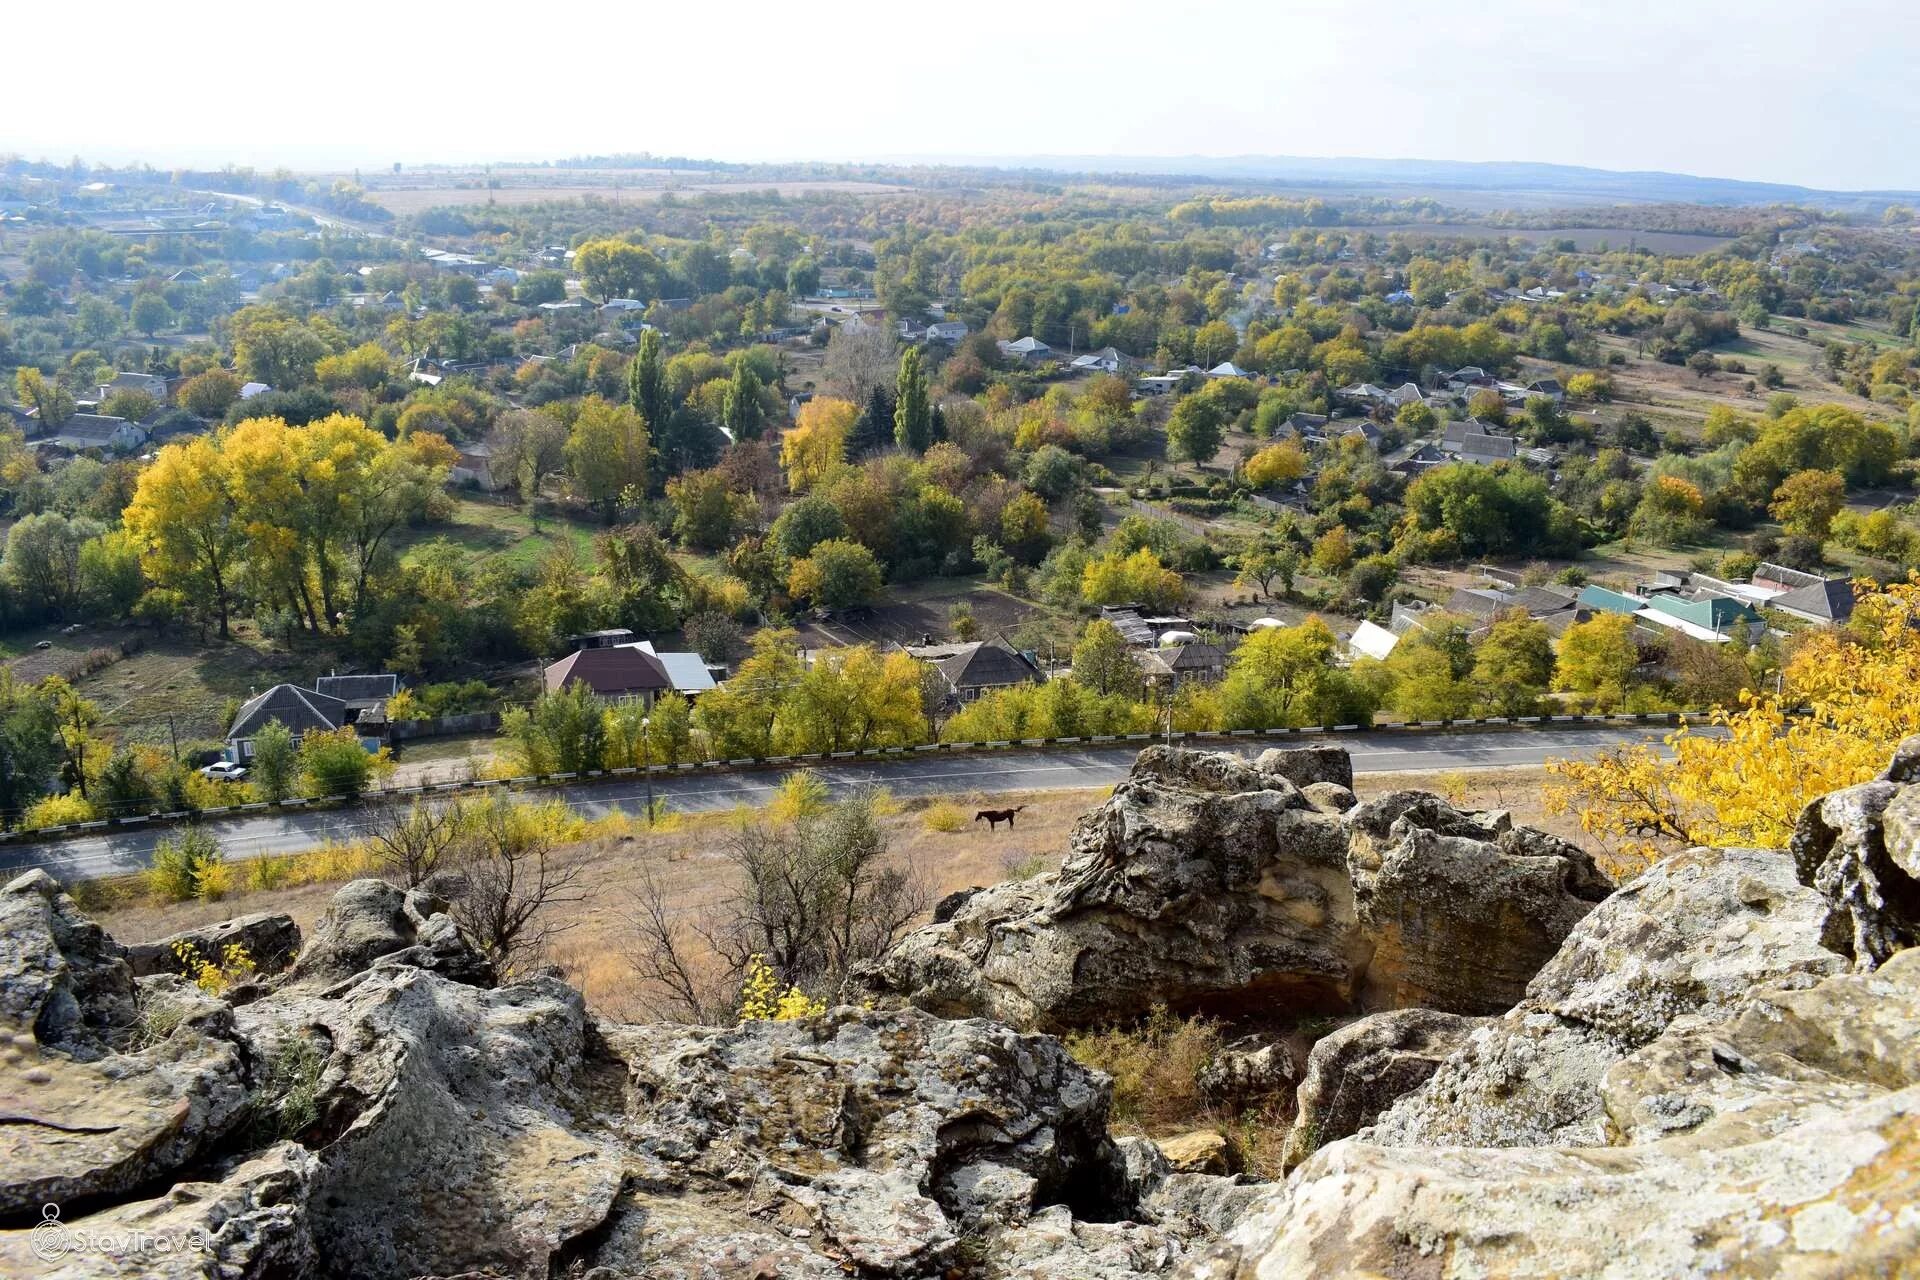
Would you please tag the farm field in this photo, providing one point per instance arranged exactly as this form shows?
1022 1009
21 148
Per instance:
642 187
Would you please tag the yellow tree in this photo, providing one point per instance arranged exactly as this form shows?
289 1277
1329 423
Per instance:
1807 501
1596 661
262 479
184 519
1276 464
607 453
1745 784
816 445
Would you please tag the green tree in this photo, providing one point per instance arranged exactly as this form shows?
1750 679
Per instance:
1287 676
52 402
837 573
1596 661
647 392
1513 665
335 765
742 412
1196 429
275 762
1103 663
606 454
150 313
912 409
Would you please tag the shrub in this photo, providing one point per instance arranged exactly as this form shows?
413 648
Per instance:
335 764
945 817
268 872
801 794
181 864
1155 1065
214 976
57 811
761 1000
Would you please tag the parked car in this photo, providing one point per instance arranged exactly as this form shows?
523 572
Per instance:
44 644
224 771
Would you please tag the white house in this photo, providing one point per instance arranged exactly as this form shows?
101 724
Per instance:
1371 640
1029 349
1227 369
946 331
1105 360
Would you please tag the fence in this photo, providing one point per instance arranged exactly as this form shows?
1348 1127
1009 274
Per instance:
444 726
824 757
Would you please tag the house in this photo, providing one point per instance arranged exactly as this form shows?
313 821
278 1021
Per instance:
1371 640
1029 349
1602 600
365 696
605 639
618 671
1160 384
150 385
1778 577
1828 601
98 431
1476 441
1227 369
251 389
1715 619
689 673
946 331
1365 392
987 664
1403 395
1181 663
474 467
1366 430
1105 360
300 711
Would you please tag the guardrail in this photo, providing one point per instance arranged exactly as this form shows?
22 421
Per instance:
538 781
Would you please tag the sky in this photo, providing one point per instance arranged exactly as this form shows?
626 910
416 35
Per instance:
1824 95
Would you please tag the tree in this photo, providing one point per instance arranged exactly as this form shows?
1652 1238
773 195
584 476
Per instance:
1286 676
611 269
606 454
1275 465
1025 528
1807 501
1119 578
42 560
1745 783
860 362
1596 662
411 840
515 872
816 445
912 410
708 514
836 574
647 392
184 517
150 313
1513 665
52 402
1264 564
275 762
209 394
335 765
806 524
1333 552
367 366
1103 663
1196 429
742 412
1672 512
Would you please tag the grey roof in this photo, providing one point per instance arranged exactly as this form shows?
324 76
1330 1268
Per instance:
300 710
688 671
89 429
1195 656
1830 599
989 665
363 689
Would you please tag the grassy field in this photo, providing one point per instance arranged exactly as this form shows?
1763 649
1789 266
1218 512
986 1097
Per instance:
690 862
489 530
195 685
643 187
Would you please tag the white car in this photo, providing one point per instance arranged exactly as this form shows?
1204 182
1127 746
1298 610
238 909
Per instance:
224 771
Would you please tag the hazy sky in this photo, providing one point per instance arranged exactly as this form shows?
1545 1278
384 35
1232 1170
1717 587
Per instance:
1826 94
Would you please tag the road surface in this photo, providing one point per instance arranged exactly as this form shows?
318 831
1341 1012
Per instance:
1055 770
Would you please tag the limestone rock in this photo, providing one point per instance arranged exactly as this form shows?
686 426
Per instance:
1308 766
270 939
1211 884
1694 934
1202 1151
1799 1155
63 981
1246 1068
370 921
1361 1069
1860 847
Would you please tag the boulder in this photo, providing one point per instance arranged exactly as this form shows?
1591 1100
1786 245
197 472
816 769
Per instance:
1309 766
1202 1151
371 921
1860 848
63 982
1211 884
1791 1146
1247 1068
1692 935
1358 1071
271 940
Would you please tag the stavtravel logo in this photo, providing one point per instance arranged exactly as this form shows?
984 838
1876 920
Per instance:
54 1240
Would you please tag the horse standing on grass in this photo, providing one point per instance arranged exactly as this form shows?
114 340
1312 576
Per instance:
995 817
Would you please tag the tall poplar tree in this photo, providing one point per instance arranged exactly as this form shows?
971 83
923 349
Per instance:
912 409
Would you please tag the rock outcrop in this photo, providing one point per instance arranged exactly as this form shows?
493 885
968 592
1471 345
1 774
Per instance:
270 938
1210 883
1860 847
1782 1141
1363 1068
1692 936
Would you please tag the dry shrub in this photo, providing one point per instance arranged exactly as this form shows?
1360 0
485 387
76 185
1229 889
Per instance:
1155 1067
945 817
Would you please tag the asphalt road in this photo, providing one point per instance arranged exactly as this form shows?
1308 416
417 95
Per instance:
1053 770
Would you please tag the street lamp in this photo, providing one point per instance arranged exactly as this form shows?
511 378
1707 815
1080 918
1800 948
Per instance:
646 764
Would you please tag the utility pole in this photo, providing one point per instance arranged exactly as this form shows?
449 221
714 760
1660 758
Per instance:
174 738
646 764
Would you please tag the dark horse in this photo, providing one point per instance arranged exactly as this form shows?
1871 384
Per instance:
995 817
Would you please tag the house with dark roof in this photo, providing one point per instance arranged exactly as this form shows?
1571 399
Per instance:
361 693
1778 577
616 672
151 385
1029 350
1178 664
301 711
1828 601
976 668
98 431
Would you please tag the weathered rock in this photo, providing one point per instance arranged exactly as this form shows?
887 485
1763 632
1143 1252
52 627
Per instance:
1308 766
249 1225
1361 1069
1209 883
1329 797
1246 1068
63 982
1693 935
371 921
271 940
1799 1154
1201 1151
1860 848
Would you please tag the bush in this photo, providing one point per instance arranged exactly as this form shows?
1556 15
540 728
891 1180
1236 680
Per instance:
1155 1066
57 811
189 865
335 764
801 794
945 817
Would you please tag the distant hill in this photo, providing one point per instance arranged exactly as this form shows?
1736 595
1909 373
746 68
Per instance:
1561 182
